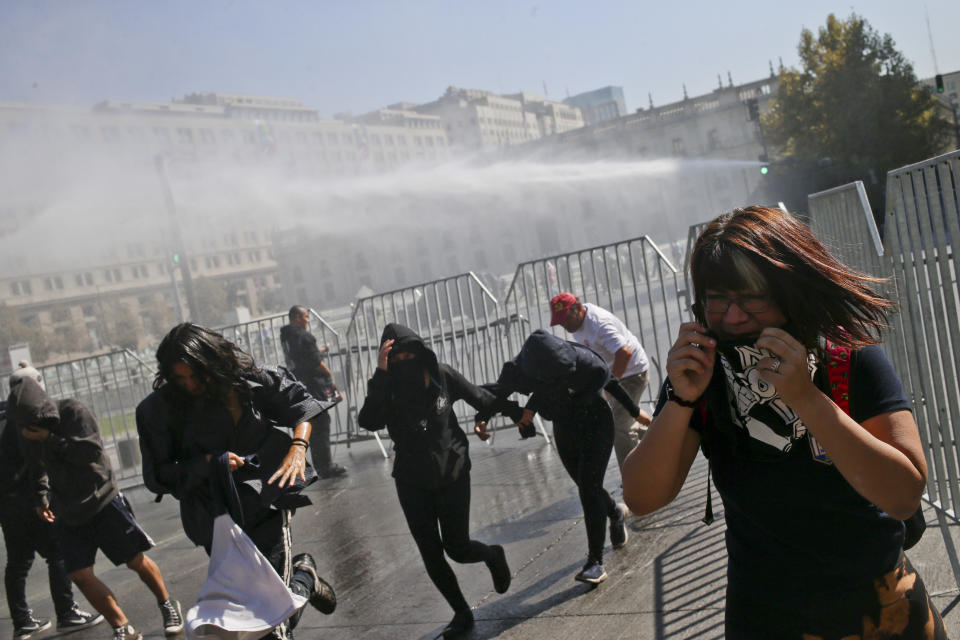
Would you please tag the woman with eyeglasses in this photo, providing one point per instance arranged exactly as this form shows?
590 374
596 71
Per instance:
814 495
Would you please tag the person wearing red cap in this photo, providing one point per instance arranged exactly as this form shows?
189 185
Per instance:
608 336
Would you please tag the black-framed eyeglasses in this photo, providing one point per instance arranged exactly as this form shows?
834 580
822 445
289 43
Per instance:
754 303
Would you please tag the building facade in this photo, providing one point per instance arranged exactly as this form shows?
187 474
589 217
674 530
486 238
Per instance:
89 223
600 105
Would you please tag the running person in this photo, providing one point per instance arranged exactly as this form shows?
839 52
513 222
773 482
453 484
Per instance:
412 395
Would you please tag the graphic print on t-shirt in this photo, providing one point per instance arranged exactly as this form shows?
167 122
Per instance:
755 405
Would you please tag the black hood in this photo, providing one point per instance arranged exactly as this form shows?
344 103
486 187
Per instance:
30 405
406 339
545 357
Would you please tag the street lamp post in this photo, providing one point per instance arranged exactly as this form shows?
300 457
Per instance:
179 260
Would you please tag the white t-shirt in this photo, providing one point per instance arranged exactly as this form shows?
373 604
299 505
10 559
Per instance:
606 334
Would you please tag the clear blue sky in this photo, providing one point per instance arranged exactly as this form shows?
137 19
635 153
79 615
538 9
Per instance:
361 55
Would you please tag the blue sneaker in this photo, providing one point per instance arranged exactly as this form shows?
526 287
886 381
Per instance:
592 572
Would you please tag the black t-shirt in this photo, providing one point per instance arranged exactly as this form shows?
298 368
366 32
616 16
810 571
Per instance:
793 521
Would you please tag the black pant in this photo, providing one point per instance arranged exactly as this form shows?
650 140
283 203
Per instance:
450 508
25 534
320 443
584 441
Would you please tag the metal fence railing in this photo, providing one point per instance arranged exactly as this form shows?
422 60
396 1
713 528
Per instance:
111 385
632 279
457 317
921 219
261 339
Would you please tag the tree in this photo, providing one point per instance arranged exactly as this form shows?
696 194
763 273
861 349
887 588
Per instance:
14 331
856 101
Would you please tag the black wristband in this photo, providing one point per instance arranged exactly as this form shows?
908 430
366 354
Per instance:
673 397
300 441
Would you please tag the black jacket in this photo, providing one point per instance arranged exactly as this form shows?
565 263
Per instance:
13 466
177 431
431 448
559 375
71 461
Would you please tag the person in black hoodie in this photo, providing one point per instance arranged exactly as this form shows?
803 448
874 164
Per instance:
65 453
25 533
211 400
565 381
413 395
305 359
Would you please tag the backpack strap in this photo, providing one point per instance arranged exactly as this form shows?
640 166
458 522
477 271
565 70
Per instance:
838 374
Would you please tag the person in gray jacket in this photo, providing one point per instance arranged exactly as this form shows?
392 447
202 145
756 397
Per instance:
76 490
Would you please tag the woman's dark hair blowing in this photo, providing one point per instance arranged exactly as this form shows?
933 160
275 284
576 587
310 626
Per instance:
819 295
216 360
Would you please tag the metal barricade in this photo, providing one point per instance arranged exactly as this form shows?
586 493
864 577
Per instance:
457 317
843 221
922 218
261 339
632 279
111 385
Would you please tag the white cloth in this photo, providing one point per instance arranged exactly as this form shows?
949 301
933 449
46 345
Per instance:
243 598
606 334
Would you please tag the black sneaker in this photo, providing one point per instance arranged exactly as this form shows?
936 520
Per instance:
592 573
77 619
29 627
322 597
335 471
126 631
618 527
499 569
461 623
172 618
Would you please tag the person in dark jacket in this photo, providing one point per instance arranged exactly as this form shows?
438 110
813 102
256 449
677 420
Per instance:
306 360
565 381
25 534
210 399
65 453
413 395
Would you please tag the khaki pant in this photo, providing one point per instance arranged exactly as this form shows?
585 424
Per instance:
626 430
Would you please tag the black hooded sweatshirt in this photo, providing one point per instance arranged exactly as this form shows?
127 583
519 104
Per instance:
560 376
71 461
431 448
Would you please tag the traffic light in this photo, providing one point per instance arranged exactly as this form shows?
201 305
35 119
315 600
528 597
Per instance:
753 109
175 258
939 80
764 164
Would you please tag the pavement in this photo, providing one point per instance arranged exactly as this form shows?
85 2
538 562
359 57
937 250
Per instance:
667 582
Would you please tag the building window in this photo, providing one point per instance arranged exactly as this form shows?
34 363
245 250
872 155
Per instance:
678 147
713 139
185 135
332 138
88 311
15 288
88 278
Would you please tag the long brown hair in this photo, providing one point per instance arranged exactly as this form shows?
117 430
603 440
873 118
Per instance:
819 295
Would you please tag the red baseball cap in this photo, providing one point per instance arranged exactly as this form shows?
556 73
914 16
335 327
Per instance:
560 306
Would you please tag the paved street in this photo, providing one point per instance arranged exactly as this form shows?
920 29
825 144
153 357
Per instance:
668 582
